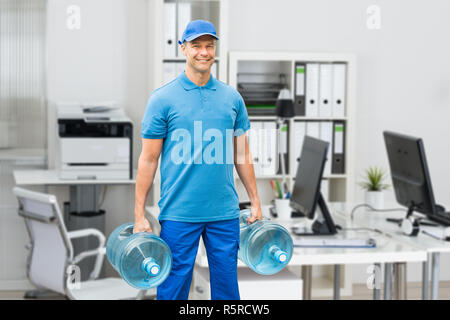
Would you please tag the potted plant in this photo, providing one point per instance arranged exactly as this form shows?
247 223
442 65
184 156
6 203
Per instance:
374 185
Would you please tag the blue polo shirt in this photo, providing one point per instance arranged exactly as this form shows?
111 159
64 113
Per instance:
197 160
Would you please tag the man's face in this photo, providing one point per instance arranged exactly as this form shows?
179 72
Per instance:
200 53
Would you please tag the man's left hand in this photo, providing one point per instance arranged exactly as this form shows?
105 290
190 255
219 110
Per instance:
256 213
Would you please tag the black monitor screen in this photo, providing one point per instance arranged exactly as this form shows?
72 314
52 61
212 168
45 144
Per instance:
409 171
309 174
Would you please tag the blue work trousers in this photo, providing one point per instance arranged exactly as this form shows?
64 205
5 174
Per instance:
221 239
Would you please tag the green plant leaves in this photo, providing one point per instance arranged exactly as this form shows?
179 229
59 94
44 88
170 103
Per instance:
374 179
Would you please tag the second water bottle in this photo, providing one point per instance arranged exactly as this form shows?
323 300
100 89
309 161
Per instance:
265 247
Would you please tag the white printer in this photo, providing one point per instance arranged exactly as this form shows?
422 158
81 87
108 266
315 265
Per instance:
94 141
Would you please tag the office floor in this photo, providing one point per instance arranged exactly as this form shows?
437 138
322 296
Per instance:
360 292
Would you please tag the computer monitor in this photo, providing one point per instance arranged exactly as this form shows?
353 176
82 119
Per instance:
306 193
410 175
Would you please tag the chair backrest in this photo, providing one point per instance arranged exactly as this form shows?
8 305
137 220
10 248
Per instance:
51 247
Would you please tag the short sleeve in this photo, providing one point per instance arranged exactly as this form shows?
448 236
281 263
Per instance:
242 123
154 123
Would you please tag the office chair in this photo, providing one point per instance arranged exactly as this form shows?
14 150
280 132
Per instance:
51 265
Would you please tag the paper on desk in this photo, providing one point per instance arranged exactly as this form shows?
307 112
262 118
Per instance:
335 243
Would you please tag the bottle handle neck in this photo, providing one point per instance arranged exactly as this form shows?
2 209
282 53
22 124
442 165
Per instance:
278 254
151 267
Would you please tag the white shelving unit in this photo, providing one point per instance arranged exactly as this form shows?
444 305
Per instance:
344 182
341 187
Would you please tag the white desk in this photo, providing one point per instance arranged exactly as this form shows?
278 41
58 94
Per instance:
50 177
432 246
388 250
83 193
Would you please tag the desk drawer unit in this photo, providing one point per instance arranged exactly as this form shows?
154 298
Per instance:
281 286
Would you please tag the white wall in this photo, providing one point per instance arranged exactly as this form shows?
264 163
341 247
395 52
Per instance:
106 59
403 78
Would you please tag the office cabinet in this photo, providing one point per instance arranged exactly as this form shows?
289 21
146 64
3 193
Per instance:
284 285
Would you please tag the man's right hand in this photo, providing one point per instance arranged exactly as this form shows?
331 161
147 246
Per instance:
141 225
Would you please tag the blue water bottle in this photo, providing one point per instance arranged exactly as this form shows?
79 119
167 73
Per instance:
265 247
142 259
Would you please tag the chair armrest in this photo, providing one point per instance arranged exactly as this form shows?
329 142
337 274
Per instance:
99 251
87 232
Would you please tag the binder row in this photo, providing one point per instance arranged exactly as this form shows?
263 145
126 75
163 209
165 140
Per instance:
264 145
174 27
332 132
320 89
262 141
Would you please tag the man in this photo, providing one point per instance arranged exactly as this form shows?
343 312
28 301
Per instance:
198 125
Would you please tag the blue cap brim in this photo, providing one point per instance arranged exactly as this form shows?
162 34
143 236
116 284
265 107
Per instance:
195 36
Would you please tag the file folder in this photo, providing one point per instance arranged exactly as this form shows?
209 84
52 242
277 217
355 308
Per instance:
325 189
299 131
312 90
325 89
313 129
253 144
170 22
326 134
169 71
339 84
282 146
214 69
184 16
299 98
180 66
269 154
338 158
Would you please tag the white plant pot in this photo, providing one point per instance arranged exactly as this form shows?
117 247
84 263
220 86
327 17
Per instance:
375 199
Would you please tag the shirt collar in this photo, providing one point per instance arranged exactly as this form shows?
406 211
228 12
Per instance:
189 85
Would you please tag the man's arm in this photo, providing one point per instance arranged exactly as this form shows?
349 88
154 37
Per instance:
147 165
244 167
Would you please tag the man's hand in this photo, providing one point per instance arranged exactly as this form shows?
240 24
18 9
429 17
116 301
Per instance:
141 225
256 213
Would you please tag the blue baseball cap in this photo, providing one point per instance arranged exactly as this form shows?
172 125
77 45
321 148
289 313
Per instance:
198 28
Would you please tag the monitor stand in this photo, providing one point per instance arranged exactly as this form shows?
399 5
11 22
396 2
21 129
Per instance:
410 211
325 227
